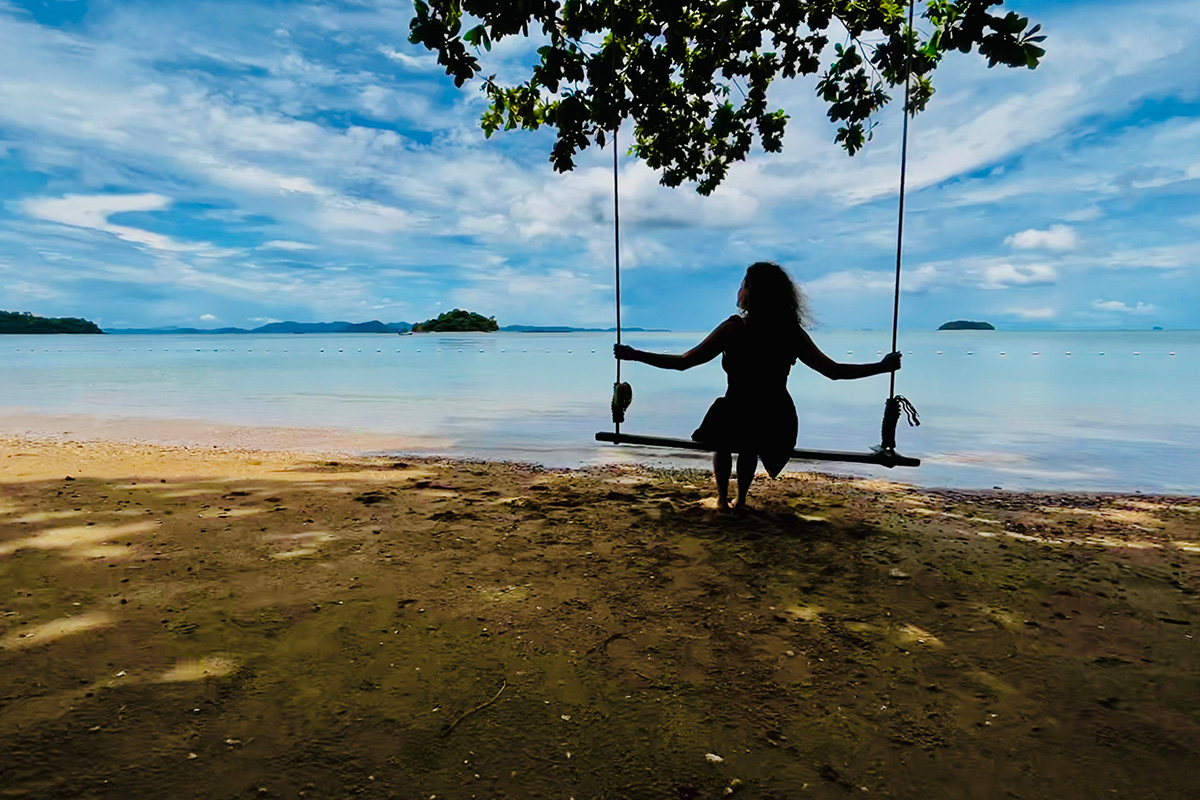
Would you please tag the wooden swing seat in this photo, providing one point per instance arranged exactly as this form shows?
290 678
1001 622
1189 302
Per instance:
879 456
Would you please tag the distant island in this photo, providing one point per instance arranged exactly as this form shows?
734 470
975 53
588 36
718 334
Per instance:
457 321
567 329
967 325
25 322
373 326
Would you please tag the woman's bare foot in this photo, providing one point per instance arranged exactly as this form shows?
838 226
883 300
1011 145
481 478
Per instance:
722 505
740 506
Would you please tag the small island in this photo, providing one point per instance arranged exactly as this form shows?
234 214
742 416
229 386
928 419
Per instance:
457 321
967 325
25 322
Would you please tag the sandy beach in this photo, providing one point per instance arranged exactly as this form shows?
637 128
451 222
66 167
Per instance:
212 622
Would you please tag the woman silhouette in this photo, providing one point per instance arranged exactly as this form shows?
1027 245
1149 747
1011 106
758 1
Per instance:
756 418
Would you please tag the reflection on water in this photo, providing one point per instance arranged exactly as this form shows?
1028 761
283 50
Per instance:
1094 410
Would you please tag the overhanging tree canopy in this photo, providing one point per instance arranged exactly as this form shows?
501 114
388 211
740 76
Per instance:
693 76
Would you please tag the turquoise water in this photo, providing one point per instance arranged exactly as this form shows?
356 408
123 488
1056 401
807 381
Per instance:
1099 411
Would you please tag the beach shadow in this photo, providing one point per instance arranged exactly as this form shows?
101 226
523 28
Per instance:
598 633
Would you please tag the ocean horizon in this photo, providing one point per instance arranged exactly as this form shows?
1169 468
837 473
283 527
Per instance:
1027 410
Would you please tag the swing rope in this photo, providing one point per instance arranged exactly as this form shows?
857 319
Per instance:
622 392
897 403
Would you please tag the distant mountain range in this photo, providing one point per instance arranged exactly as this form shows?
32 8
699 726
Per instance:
374 326
565 329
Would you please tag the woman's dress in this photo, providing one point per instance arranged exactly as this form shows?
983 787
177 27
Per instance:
756 415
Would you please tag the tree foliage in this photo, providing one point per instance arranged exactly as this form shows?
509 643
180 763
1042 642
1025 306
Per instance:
25 322
693 76
457 321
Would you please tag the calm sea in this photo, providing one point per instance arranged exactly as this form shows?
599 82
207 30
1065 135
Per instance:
1100 411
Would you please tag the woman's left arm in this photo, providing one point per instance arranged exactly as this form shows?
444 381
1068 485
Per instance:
706 351
808 352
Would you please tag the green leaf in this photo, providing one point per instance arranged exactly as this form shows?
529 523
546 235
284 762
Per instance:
670 67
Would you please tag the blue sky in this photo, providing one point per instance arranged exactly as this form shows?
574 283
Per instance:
233 163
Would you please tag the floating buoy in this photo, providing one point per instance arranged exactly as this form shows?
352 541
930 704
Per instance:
1003 353
1171 353
939 352
1101 353
1035 353
1136 353
1068 352
970 352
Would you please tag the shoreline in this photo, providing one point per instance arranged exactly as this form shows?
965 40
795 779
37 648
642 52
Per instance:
213 622
203 435
199 434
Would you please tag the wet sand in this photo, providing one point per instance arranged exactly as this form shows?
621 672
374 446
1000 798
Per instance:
210 622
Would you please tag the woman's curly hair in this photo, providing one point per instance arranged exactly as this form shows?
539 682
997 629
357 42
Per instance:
773 299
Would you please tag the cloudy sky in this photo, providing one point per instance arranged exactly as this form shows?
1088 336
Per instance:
231 163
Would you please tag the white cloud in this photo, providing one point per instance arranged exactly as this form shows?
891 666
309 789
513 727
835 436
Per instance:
93 211
207 317
1157 257
1122 308
915 280
423 63
1033 313
262 149
284 244
1087 214
981 274
540 297
1003 276
364 215
28 290
1057 238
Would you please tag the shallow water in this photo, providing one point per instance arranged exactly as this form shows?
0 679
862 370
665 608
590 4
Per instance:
1093 411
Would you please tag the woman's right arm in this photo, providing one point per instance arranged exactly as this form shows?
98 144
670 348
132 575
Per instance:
808 352
712 346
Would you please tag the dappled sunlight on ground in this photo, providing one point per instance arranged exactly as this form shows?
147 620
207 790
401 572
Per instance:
81 541
195 669
54 630
380 628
